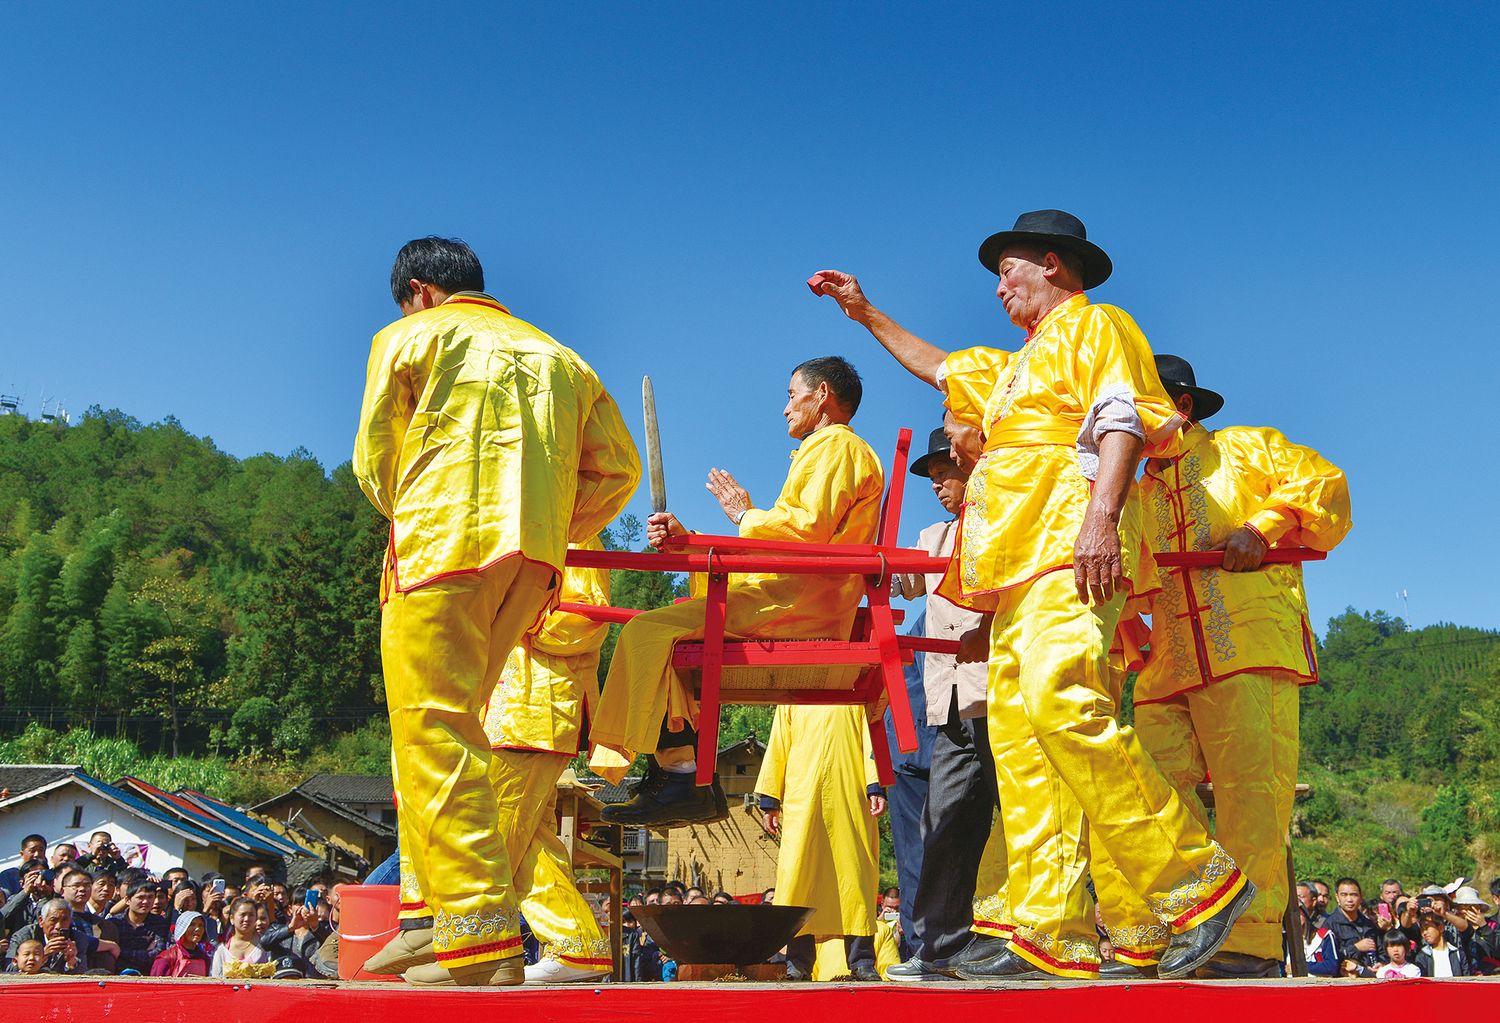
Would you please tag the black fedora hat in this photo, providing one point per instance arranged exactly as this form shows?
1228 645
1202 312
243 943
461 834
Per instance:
1177 375
1057 231
937 444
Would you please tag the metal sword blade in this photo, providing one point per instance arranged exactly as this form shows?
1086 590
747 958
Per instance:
654 469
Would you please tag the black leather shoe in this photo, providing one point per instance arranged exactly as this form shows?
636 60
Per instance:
1238 966
1194 947
865 972
979 948
917 970
1118 969
666 800
1005 966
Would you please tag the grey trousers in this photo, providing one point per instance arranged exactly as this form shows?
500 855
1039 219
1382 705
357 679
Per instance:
956 821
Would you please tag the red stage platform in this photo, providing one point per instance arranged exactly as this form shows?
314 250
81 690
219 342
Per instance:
122 1000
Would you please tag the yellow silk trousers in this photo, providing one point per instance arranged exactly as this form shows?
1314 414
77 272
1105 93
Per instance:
442 647
1061 759
991 898
1244 734
643 689
564 925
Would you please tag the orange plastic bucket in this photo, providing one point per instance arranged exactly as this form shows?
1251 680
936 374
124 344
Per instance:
367 920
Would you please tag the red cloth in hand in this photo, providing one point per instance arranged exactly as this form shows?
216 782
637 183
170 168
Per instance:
815 282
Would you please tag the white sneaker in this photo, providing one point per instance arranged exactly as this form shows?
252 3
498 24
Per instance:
555 971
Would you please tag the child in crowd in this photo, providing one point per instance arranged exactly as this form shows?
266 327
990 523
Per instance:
29 959
240 955
185 956
1398 952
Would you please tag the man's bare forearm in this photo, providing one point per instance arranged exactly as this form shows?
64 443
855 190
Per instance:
922 360
1119 452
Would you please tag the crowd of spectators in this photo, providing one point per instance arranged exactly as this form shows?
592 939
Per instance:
1441 931
90 913
72 911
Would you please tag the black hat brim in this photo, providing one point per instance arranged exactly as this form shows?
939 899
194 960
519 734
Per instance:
1096 263
919 467
1205 402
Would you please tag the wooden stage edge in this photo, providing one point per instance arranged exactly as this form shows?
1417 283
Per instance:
128 1000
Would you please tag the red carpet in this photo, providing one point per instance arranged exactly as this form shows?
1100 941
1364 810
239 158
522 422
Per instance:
120 1000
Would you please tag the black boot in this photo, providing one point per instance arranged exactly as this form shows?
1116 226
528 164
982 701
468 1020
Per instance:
1005 966
1118 969
1237 966
667 800
979 948
1195 946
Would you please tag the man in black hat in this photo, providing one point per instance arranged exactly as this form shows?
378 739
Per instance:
1229 648
960 800
1053 545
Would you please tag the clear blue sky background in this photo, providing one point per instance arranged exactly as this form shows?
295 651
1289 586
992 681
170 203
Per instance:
200 207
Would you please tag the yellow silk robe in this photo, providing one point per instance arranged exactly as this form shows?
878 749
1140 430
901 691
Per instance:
831 495
1026 498
818 765
1208 624
467 474
553 675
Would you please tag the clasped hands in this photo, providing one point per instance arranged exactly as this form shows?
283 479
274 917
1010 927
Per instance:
733 498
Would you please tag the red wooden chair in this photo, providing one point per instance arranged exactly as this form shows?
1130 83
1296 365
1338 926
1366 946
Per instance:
865 669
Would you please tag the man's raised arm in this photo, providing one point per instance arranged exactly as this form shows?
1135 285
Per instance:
921 359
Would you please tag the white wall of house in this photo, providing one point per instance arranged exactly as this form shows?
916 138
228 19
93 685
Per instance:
71 813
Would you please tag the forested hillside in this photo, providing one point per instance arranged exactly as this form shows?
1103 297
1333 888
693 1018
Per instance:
213 621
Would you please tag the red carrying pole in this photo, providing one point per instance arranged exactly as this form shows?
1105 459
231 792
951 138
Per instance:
1215 559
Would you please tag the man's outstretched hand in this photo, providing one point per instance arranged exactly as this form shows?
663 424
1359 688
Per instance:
660 525
844 289
733 498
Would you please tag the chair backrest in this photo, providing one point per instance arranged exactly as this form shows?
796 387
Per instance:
888 533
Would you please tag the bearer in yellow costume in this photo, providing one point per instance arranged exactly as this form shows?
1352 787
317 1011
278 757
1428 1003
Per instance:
831 495
1229 649
1051 544
819 792
489 446
534 723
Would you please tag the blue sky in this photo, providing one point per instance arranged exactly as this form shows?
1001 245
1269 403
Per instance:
201 205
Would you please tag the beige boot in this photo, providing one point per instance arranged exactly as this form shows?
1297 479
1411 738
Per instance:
428 975
401 953
491 973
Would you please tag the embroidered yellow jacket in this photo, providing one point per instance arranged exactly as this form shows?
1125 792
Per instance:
1084 370
481 438
1209 624
552 675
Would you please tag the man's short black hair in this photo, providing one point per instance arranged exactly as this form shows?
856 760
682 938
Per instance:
446 263
1347 880
141 886
840 376
102 872
34 838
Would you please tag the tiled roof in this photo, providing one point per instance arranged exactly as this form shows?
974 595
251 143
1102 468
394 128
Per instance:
245 822
351 788
183 809
131 801
18 779
342 810
611 793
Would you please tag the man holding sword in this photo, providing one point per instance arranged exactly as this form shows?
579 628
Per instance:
831 495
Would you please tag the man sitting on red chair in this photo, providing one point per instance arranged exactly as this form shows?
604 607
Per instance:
831 495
